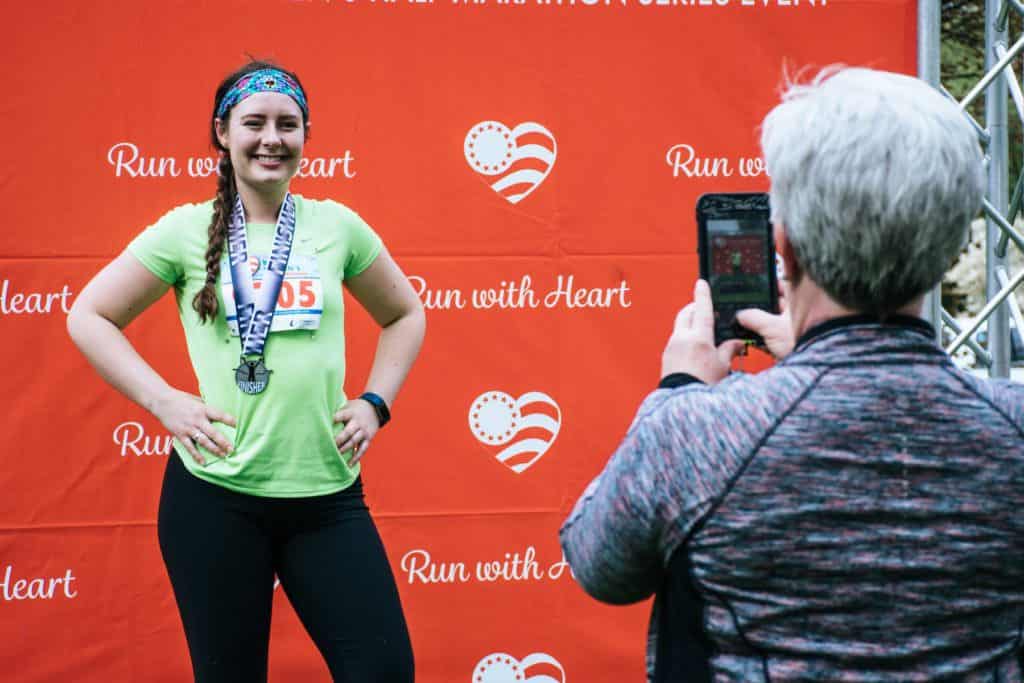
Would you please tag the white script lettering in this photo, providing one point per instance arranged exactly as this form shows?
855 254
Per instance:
751 167
520 294
683 159
132 438
201 167
596 297
126 160
512 568
556 570
129 162
439 298
418 566
43 588
20 303
319 167
508 294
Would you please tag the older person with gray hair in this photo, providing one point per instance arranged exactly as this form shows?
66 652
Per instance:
852 514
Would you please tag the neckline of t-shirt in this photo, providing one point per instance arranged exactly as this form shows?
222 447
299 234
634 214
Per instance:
262 225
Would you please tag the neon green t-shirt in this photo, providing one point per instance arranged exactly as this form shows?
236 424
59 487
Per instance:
284 442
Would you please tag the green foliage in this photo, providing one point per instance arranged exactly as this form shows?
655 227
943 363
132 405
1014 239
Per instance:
963 64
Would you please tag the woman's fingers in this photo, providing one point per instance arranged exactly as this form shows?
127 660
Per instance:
190 446
354 439
360 426
358 452
200 439
215 415
212 440
349 437
207 437
191 421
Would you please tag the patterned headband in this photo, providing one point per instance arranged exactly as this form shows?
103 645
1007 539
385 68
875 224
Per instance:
264 80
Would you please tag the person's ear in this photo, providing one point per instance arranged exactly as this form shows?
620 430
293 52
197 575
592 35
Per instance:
785 249
221 128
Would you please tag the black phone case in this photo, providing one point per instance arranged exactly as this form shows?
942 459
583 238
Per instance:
721 205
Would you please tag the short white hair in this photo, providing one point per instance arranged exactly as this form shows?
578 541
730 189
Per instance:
875 177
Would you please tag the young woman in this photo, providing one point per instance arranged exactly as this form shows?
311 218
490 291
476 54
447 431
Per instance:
265 480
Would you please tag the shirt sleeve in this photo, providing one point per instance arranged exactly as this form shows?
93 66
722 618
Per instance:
364 245
158 248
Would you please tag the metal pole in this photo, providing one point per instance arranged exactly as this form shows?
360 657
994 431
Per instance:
993 69
929 28
998 190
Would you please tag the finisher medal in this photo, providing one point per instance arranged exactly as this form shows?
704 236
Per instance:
251 375
256 309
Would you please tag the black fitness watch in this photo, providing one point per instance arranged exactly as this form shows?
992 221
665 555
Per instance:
379 407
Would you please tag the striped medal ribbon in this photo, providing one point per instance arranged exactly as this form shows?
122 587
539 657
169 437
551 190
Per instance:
256 308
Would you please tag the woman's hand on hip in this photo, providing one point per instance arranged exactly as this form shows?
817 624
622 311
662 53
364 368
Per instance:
190 421
361 425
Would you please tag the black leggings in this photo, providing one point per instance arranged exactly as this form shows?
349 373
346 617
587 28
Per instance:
222 550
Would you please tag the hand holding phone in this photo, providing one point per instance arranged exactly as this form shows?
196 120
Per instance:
691 348
737 259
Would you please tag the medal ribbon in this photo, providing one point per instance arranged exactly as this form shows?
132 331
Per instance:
256 309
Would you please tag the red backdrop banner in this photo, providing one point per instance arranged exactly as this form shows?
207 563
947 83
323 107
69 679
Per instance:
551 263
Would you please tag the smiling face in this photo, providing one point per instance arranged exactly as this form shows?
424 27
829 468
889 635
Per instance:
264 134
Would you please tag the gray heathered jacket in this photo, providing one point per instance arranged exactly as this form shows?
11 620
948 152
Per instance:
855 513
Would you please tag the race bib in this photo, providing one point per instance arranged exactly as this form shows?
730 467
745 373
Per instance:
300 303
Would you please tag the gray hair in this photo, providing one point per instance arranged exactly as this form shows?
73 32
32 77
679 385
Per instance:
875 177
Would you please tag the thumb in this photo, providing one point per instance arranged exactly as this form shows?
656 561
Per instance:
729 349
756 320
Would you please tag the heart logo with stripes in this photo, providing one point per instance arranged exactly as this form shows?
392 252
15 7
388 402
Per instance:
518 159
524 428
533 668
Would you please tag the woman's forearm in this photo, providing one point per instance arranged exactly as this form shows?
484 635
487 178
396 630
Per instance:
115 359
397 347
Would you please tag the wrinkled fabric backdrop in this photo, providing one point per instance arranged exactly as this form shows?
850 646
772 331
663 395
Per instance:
533 166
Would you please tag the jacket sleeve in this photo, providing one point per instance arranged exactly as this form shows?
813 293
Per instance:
614 538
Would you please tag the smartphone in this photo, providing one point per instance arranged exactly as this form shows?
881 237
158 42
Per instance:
737 258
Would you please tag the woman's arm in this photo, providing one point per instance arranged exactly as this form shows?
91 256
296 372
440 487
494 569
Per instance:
385 293
111 300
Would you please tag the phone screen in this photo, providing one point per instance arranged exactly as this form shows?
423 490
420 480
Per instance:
739 267
737 258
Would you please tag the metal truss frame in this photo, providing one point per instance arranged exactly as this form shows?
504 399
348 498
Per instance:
999 85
